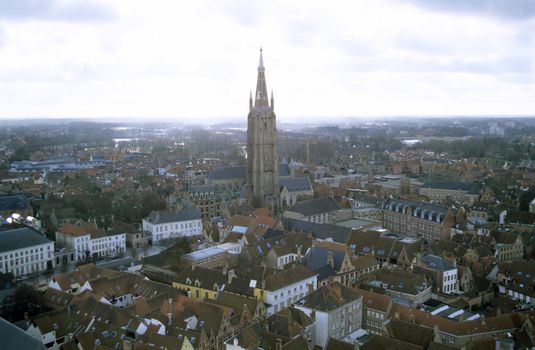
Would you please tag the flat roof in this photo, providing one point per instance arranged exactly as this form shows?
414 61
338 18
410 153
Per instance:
204 253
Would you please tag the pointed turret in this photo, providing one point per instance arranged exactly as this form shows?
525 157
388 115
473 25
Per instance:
261 97
272 101
250 100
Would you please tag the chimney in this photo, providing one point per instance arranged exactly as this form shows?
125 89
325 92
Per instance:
396 315
127 345
436 334
299 247
330 258
230 275
498 311
193 267
483 319
169 319
279 344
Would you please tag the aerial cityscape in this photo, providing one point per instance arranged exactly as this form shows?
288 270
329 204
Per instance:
379 197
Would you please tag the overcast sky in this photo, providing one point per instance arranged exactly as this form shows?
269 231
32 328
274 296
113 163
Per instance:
197 60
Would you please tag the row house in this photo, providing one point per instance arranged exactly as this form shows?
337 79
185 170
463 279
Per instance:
418 219
516 280
331 265
87 241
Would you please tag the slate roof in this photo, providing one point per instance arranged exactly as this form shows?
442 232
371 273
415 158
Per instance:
315 206
20 238
394 203
16 202
436 262
338 234
470 188
286 277
330 297
316 260
240 172
296 184
200 188
207 278
162 217
15 338
284 170
230 172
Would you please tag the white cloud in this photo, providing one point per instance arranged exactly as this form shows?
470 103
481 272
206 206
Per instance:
197 60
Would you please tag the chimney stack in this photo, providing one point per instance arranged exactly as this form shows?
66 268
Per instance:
330 258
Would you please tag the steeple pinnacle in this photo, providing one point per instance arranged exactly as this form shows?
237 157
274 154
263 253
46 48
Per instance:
261 62
261 96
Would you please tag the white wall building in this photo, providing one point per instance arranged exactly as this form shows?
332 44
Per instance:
25 251
173 224
288 286
86 241
338 312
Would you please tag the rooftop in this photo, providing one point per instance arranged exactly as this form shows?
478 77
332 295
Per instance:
20 238
204 253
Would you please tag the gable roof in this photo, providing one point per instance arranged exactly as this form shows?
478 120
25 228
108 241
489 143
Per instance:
337 233
282 278
296 184
330 297
207 278
436 262
375 301
315 206
230 172
163 217
317 257
14 337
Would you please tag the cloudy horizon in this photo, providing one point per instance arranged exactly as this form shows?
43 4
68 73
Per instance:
196 61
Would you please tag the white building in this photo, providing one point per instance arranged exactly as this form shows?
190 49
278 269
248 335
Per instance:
173 224
287 287
338 311
444 273
25 251
86 241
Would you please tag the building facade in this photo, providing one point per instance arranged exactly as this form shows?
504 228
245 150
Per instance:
418 219
262 162
87 241
338 311
170 224
25 251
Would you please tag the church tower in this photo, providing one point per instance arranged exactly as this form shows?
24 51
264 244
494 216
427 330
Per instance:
262 162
